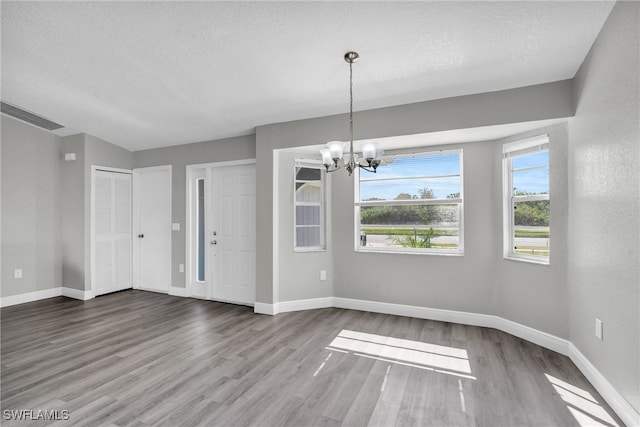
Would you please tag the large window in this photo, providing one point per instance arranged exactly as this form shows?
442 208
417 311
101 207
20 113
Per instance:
412 204
526 199
309 210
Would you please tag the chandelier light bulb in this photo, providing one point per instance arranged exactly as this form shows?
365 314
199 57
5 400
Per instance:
369 151
336 148
326 157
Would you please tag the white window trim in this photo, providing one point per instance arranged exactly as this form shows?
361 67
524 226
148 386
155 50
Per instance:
509 151
196 175
315 164
411 251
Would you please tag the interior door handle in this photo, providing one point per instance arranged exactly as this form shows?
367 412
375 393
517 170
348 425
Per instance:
140 236
214 242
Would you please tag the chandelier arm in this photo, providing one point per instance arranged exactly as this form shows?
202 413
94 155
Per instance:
366 168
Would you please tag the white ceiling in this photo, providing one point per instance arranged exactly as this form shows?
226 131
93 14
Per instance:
151 74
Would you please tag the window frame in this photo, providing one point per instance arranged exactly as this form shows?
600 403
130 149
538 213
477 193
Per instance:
200 239
511 150
311 164
413 202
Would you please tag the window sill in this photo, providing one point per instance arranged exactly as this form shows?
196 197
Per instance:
305 250
527 260
377 251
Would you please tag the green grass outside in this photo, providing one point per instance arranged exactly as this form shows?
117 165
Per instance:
405 231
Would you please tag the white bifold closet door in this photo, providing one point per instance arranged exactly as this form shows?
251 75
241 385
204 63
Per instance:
112 240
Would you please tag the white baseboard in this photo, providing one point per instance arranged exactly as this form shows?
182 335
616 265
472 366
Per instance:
262 308
77 294
44 294
178 292
297 305
535 336
618 403
462 317
474 319
307 304
30 296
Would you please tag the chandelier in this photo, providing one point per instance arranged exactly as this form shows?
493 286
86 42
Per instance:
333 157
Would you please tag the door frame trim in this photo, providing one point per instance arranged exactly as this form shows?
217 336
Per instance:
92 220
189 241
135 220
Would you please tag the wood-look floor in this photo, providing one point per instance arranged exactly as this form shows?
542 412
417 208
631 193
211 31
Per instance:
138 358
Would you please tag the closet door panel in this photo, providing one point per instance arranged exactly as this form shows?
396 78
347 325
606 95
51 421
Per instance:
111 237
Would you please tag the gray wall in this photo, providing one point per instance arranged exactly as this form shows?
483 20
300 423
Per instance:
531 294
72 176
46 201
481 281
179 157
30 208
538 102
61 220
604 187
447 282
303 281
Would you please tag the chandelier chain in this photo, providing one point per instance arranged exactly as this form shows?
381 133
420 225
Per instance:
351 106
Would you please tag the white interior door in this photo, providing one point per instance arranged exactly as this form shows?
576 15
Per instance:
152 228
232 233
111 231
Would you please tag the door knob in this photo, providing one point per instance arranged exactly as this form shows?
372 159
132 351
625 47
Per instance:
140 236
214 242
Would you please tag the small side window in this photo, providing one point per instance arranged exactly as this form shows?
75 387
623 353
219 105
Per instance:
309 206
526 200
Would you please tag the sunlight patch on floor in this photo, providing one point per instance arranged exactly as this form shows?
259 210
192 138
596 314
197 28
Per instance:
582 405
417 354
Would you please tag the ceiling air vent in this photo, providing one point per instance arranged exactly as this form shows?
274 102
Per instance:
25 116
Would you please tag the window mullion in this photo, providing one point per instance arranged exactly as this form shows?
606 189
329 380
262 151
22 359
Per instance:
531 198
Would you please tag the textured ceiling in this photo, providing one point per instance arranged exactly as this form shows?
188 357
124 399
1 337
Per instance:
152 74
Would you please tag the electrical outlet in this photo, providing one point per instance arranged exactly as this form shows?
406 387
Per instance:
323 274
598 328
181 268
17 273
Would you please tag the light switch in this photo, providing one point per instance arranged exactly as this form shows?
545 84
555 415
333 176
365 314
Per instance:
598 328
175 226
